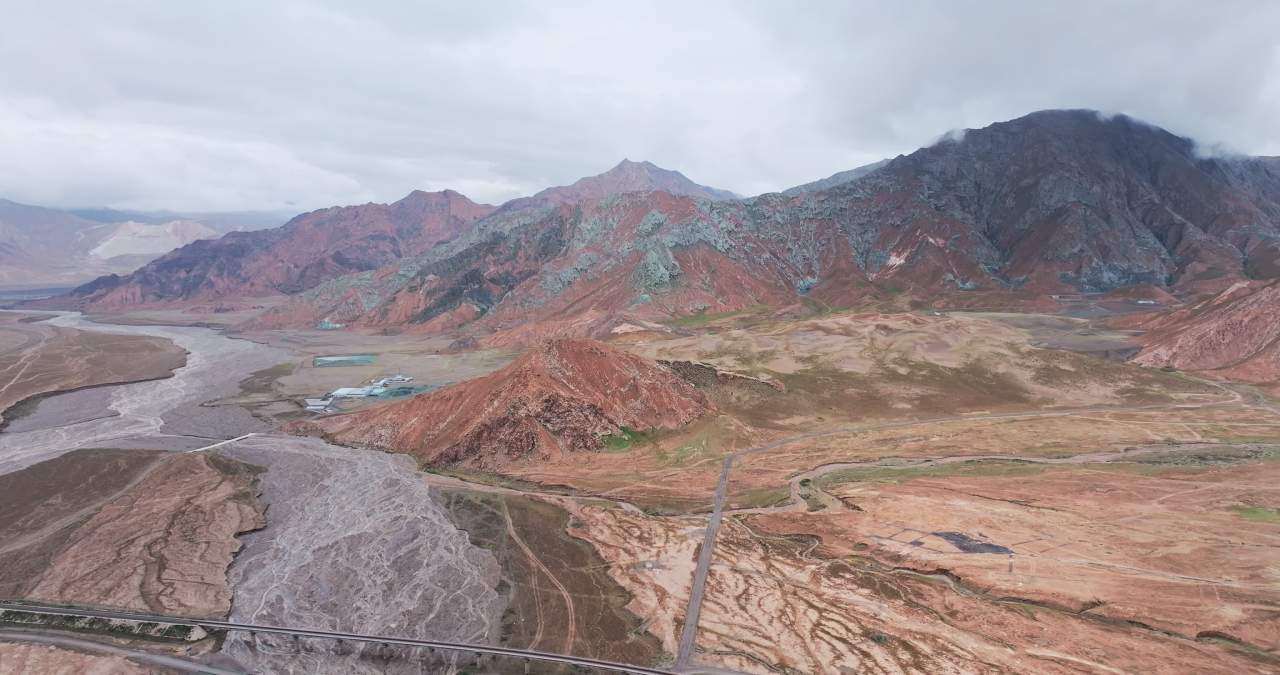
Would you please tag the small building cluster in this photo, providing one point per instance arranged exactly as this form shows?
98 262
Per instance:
376 387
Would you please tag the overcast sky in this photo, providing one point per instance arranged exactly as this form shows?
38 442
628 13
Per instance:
234 105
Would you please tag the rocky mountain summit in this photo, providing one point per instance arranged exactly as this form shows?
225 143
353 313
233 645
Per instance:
626 177
562 396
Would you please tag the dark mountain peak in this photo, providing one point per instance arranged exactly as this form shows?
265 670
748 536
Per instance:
1089 129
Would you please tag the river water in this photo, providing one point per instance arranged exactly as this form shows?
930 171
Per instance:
353 539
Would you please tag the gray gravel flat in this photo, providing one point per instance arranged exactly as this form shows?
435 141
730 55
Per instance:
354 543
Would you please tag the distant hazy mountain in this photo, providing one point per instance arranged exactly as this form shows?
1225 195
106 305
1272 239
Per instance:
325 244
41 247
220 221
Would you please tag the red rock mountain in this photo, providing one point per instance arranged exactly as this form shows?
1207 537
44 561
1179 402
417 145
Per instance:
1057 201
1234 335
307 250
560 397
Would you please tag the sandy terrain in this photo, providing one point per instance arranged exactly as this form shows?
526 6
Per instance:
1165 545
38 358
918 492
22 657
851 367
776 601
159 539
1150 564
896 508
653 558
44 503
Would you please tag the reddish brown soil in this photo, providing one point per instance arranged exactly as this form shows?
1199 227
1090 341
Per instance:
1161 545
1234 335
26 657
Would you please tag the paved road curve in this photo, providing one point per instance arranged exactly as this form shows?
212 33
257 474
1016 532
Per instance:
334 635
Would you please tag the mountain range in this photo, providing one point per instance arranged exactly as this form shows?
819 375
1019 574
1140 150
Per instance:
1060 201
43 247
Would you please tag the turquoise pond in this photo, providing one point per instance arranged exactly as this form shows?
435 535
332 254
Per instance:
398 392
343 360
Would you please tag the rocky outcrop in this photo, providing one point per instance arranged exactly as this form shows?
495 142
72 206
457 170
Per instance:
1234 335
562 396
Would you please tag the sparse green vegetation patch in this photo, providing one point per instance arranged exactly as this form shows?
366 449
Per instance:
1258 514
263 381
625 439
698 319
759 498
901 474
550 577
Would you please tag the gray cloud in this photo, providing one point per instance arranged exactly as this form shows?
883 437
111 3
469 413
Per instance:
294 104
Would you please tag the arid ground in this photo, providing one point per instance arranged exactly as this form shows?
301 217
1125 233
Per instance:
941 493
885 493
